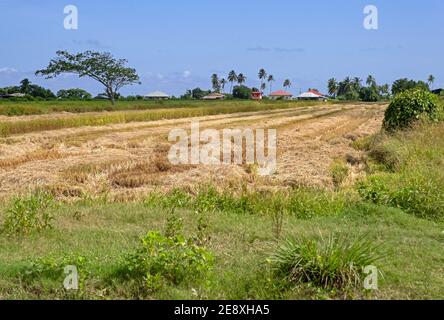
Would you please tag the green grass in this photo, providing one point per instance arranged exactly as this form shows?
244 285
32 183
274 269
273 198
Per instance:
241 244
407 171
150 111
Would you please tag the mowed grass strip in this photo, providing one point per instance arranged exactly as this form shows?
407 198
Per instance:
42 124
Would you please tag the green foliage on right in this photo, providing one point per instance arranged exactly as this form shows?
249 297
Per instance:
410 106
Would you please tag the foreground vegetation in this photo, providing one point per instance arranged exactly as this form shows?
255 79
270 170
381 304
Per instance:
297 244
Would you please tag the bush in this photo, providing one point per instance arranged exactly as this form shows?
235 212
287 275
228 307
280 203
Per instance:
168 258
29 214
172 259
419 193
52 267
242 92
410 106
328 263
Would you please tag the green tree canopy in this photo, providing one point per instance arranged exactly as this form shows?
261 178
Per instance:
102 67
74 94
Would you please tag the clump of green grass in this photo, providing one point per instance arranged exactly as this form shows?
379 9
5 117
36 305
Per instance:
339 172
329 263
301 202
412 179
28 214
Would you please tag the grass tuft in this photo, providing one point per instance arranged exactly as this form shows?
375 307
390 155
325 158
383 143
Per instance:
329 263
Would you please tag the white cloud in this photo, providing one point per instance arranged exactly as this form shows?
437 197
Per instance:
7 70
186 74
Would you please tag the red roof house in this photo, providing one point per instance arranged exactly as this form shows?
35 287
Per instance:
281 94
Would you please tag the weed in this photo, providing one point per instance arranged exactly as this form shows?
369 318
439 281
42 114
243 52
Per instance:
29 214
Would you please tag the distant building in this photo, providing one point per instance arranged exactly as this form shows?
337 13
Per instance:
256 95
281 94
214 96
156 95
312 94
13 95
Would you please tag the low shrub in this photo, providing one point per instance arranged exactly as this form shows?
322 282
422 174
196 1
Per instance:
410 106
28 214
171 259
328 263
52 267
416 193
168 258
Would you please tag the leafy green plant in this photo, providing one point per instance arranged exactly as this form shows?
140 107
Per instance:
329 263
52 267
174 224
28 214
175 259
410 106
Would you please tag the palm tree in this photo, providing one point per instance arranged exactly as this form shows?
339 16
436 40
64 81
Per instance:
357 83
287 83
241 78
232 77
332 87
25 85
262 75
222 83
270 81
430 81
371 81
263 86
215 82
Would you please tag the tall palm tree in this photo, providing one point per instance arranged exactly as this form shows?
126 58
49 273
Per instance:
215 82
241 78
222 83
232 77
357 83
430 81
287 83
371 81
270 81
332 87
263 87
262 75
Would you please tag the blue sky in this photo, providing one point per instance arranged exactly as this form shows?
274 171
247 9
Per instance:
176 45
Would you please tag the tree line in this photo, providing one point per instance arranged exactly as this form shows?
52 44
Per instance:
113 74
353 88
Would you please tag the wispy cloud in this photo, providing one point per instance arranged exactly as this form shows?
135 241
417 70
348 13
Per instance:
93 43
383 48
277 49
289 49
8 70
259 49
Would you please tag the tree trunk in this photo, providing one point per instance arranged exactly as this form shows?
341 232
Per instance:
111 96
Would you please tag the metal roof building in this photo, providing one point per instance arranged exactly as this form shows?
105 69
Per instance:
157 95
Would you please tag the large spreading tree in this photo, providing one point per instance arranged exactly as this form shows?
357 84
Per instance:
102 67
